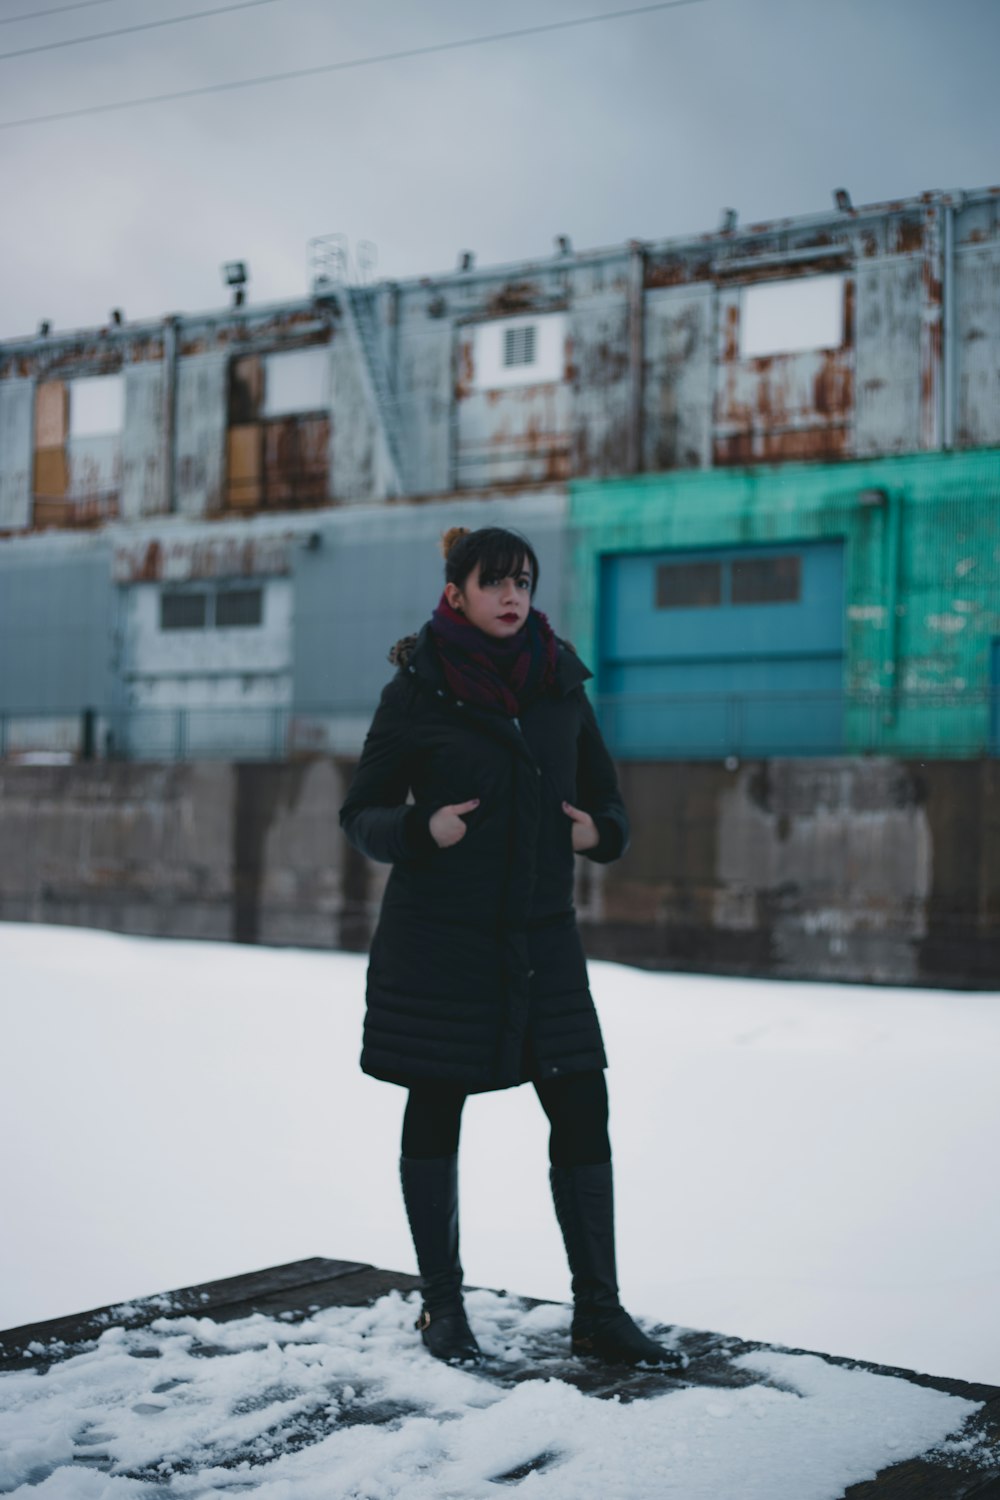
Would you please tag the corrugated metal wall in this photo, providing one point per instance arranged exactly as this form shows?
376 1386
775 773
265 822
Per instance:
656 374
57 626
16 405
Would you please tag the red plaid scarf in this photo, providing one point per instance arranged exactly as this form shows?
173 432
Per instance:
503 675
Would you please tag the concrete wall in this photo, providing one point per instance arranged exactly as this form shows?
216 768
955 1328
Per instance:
205 850
849 869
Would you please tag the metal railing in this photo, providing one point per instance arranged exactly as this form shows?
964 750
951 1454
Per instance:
637 726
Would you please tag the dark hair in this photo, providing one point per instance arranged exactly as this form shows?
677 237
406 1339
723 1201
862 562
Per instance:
499 553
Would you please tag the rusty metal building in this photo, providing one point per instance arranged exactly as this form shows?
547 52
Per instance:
223 447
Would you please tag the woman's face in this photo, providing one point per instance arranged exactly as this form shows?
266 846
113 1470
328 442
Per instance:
499 607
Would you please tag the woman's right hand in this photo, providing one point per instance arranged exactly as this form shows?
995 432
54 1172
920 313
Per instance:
446 826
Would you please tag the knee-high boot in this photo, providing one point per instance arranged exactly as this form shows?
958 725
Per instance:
584 1204
430 1192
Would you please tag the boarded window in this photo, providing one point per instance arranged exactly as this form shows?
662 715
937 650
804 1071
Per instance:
692 585
296 382
239 607
96 406
278 443
183 611
767 580
519 345
786 317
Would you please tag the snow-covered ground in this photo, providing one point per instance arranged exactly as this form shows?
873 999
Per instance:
812 1165
109 1426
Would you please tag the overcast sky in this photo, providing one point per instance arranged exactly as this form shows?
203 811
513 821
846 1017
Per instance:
641 127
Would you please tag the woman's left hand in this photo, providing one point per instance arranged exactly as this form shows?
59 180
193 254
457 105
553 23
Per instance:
585 834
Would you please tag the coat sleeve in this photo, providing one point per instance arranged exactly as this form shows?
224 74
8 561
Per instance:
375 817
597 789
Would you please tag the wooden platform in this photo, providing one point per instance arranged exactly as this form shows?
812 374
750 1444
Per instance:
294 1291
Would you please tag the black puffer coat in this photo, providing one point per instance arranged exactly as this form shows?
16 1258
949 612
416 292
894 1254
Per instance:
477 974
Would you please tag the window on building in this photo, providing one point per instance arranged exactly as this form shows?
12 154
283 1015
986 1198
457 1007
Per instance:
767 580
296 382
239 607
515 351
278 443
96 406
519 345
183 611
787 317
689 585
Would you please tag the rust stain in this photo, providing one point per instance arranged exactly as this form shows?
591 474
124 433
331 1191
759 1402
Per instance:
512 297
909 234
204 558
833 387
296 462
850 301
773 396
74 514
557 464
932 282
731 346
777 271
89 359
466 371
869 245
608 363
931 365
803 444
145 350
675 270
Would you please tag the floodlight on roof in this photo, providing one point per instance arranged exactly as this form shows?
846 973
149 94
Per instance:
842 198
235 273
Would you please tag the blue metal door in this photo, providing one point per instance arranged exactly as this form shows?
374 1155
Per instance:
735 651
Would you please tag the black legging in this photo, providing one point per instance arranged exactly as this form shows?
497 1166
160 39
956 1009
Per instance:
576 1104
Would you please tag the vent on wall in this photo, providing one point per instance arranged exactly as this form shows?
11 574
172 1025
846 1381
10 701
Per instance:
519 345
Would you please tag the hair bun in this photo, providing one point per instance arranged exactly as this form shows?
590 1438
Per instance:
451 538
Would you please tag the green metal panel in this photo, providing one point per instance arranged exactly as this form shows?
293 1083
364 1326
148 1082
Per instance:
921 537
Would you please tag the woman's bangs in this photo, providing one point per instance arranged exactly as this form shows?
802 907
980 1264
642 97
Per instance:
504 557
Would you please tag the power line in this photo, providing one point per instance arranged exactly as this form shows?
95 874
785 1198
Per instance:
55 10
343 67
102 36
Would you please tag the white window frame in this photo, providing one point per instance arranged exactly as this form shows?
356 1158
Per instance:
490 342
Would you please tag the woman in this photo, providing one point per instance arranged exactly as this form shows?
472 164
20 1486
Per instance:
477 978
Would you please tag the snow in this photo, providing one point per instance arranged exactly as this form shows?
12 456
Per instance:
805 1164
815 1430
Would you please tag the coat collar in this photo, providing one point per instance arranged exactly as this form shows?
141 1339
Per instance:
416 654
